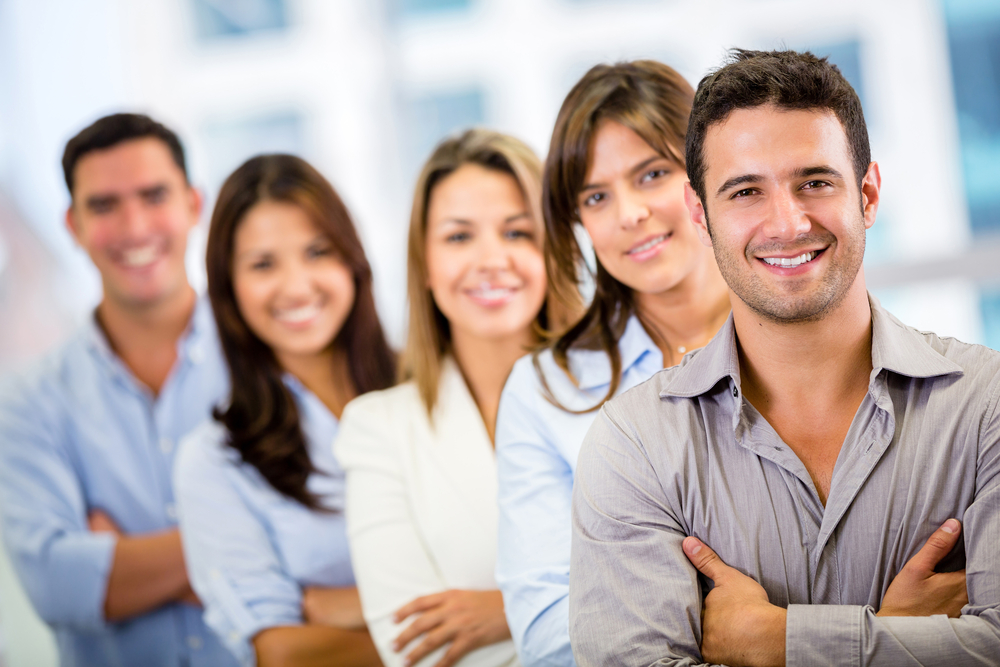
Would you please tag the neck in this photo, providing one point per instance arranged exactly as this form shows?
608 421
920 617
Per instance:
687 316
145 337
827 359
485 363
326 375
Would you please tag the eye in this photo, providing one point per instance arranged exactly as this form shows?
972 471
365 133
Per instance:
653 174
515 234
458 237
594 199
155 196
262 264
318 251
744 193
812 185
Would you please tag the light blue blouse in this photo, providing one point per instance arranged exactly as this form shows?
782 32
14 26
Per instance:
537 444
249 549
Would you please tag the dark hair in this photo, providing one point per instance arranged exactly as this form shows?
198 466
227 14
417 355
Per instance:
112 130
652 100
786 79
261 418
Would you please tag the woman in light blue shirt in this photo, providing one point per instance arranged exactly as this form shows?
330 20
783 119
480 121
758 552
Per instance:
616 168
260 495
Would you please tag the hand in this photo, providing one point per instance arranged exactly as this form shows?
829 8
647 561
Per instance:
920 591
739 626
98 521
467 619
333 607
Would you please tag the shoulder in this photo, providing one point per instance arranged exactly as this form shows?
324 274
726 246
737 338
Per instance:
372 424
43 389
381 403
203 453
537 377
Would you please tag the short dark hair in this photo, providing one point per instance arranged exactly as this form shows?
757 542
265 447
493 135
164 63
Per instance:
787 79
114 129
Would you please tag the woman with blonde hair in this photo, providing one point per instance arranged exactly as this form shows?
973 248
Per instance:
421 474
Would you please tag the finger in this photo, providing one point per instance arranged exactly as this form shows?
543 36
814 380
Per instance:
424 623
432 642
420 604
937 546
455 652
706 560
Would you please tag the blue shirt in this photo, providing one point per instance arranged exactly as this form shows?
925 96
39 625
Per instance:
249 549
78 433
537 444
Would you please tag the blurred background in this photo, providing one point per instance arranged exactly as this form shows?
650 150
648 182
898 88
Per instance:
365 88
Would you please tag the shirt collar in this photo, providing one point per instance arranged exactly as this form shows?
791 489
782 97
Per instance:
895 347
192 345
592 368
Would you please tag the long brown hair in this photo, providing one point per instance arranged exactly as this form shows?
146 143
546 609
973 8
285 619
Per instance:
261 419
429 335
652 100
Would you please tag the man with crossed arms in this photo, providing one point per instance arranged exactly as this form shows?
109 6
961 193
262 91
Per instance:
810 462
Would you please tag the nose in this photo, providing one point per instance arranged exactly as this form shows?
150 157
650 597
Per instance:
632 209
494 254
134 217
296 281
786 218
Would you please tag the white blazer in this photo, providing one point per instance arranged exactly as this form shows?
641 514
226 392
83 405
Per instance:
421 505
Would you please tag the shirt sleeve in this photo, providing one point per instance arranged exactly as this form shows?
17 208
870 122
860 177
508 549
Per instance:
232 563
392 565
824 634
533 559
634 596
63 567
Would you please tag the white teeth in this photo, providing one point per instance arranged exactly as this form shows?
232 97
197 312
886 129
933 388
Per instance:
297 315
492 293
791 261
139 257
648 244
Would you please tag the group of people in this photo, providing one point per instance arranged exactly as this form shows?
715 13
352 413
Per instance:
706 443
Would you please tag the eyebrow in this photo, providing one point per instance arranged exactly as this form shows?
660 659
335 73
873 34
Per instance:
154 190
639 167
94 201
804 172
516 217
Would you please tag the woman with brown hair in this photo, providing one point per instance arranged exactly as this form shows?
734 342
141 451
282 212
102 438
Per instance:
421 474
615 168
260 495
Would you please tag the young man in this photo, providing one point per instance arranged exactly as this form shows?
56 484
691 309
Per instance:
87 439
816 444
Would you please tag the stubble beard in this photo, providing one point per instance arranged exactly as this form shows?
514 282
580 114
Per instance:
803 300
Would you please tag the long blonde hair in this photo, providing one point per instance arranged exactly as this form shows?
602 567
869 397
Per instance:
429 335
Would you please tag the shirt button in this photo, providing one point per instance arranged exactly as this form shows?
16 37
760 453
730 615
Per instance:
196 354
171 512
166 445
194 641
736 392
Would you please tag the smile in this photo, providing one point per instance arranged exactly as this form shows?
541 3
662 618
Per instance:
489 295
649 245
791 262
299 315
139 257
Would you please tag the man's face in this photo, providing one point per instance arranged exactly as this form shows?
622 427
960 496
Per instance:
782 210
132 210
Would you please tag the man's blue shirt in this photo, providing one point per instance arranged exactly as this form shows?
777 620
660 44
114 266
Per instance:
79 433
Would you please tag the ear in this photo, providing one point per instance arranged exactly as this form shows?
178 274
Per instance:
71 224
871 187
697 212
196 202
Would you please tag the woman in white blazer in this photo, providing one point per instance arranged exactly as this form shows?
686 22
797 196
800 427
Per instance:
421 472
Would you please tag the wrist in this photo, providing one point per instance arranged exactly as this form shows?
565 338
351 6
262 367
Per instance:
770 621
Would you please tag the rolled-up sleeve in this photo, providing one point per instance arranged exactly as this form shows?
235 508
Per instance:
63 567
535 490
231 561
634 598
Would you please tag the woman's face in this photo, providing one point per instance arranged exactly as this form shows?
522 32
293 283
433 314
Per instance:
632 206
291 286
484 258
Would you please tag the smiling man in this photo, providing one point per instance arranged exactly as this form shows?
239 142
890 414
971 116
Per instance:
87 438
789 493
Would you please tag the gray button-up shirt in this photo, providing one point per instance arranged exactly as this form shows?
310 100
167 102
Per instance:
684 454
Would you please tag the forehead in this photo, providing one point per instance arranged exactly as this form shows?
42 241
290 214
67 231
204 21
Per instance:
273 225
124 167
770 141
615 149
473 192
